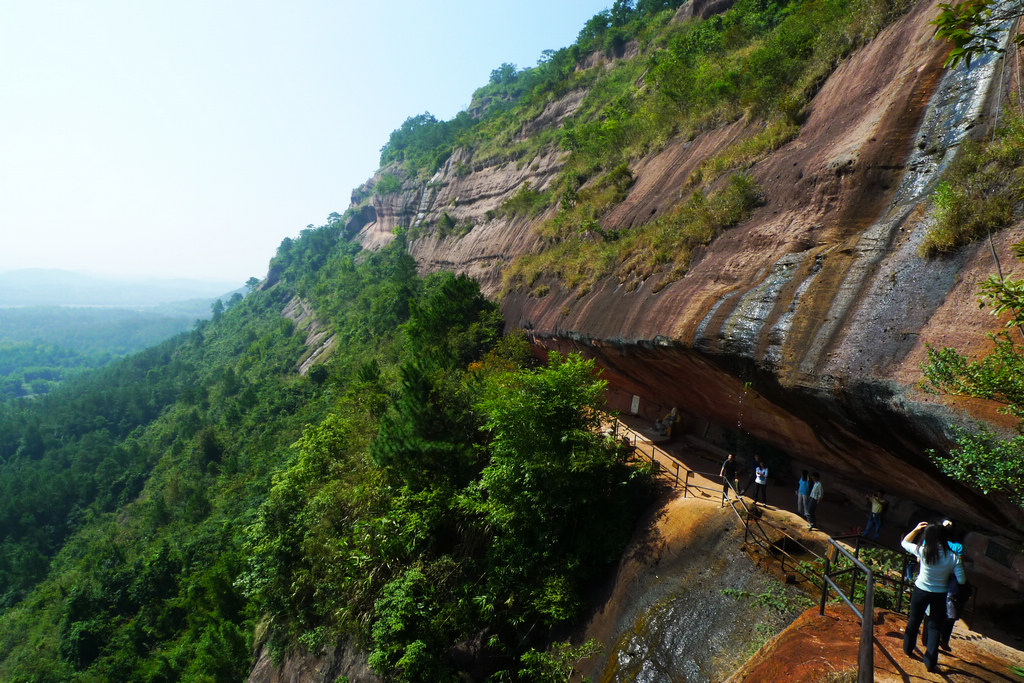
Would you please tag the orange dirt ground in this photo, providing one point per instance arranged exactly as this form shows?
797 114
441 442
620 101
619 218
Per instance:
815 646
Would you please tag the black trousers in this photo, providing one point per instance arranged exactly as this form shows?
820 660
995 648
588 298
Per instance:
761 493
935 603
811 511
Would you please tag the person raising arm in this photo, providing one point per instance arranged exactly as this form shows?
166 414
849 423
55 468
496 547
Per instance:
937 563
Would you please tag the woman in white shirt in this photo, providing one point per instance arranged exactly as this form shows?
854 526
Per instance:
761 482
937 563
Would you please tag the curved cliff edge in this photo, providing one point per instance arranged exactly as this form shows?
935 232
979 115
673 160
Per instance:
690 601
803 328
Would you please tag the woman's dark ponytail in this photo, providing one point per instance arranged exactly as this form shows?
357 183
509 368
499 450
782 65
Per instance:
934 545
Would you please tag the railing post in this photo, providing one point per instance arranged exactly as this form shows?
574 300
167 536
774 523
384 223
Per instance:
866 656
903 583
824 584
677 480
853 584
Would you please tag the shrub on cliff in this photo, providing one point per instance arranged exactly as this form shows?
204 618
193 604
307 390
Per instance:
980 190
981 459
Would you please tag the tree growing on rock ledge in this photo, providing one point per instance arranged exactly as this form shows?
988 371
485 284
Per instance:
975 27
981 459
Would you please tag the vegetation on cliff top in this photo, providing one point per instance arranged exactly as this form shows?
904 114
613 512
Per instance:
980 191
761 59
982 459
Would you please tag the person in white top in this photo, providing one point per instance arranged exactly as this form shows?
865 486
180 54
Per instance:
760 482
937 563
813 498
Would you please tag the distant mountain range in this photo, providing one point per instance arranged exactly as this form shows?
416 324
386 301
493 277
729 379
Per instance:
46 287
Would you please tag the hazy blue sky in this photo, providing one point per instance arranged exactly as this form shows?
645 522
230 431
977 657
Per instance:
187 138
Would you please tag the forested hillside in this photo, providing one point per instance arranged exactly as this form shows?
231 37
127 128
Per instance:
428 483
40 346
428 491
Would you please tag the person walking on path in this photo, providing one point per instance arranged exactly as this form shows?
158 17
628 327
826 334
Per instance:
728 475
803 489
937 563
813 498
878 504
754 464
761 483
956 595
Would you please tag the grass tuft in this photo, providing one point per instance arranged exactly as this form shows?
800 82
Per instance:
580 254
980 190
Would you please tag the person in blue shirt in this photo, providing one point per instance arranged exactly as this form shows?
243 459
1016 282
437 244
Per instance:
803 490
956 595
937 563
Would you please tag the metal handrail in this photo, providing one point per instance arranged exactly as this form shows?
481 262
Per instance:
866 653
902 582
766 542
754 532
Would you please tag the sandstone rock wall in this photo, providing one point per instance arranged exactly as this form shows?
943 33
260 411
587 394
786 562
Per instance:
804 327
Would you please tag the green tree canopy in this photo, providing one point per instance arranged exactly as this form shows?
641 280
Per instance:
981 459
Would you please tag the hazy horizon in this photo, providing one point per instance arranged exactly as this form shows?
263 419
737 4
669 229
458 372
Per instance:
187 140
123 277
29 287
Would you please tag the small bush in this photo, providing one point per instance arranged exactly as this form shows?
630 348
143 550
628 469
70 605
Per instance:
525 202
580 253
388 184
445 225
979 191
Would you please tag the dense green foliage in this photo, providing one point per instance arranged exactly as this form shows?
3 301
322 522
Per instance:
980 458
975 27
33 368
581 252
430 492
423 142
979 192
761 60
156 510
42 346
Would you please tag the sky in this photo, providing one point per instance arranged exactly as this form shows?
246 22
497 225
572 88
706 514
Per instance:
188 138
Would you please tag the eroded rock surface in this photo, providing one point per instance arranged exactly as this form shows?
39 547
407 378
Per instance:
319 341
685 605
804 327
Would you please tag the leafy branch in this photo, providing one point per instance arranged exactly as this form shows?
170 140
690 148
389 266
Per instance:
975 27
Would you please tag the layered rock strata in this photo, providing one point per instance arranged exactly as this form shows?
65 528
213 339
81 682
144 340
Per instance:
803 329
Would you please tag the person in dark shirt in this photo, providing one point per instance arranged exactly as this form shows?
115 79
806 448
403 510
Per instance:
728 475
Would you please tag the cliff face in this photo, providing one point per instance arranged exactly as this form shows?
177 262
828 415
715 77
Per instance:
804 327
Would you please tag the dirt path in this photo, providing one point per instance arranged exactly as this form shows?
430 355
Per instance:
693 466
817 646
